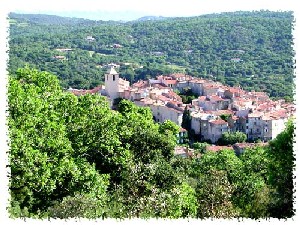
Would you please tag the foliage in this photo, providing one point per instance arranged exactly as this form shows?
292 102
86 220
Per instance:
75 157
253 192
230 138
225 117
214 192
187 95
251 49
78 206
44 166
200 147
280 171
187 121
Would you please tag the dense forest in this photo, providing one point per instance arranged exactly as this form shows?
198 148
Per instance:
75 157
250 49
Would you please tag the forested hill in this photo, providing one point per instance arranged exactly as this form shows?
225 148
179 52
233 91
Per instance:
251 49
44 19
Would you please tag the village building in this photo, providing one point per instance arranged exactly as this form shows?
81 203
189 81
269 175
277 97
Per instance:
114 85
89 38
252 113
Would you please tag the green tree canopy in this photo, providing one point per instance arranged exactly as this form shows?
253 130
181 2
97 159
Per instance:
230 138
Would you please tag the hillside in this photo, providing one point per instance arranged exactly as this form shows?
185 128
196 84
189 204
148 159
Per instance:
251 49
74 157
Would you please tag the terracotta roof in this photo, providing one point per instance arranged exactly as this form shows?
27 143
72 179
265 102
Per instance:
279 114
221 112
83 91
266 117
202 98
210 85
235 89
170 81
140 84
182 129
250 145
216 148
159 86
172 94
235 117
177 75
218 122
255 114
215 98
163 98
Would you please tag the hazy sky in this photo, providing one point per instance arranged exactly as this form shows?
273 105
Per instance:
133 9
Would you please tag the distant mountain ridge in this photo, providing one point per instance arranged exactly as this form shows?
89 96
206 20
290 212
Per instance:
147 18
248 49
45 19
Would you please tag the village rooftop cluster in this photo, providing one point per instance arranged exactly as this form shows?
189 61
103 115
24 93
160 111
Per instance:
252 113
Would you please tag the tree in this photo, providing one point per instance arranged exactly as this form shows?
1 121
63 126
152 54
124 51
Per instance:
214 193
200 147
187 120
280 171
44 166
232 138
225 117
78 206
180 202
253 193
162 47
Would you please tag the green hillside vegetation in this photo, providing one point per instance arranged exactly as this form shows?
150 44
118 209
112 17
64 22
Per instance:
75 157
251 49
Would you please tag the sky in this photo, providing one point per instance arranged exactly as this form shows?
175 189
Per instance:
133 9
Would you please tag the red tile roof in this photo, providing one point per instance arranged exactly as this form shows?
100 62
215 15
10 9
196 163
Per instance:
218 122
140 84
170 82
202 98
182 129
215 98
83 92
235 90
163 98
235 117
178 75
216 148
255 114
221 112
250 145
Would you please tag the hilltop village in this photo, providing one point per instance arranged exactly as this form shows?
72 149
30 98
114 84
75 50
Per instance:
252 113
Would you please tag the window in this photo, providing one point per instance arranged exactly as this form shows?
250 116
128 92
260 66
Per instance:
246 127
266 130
114 78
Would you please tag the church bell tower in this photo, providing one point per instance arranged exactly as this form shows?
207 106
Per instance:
112 83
